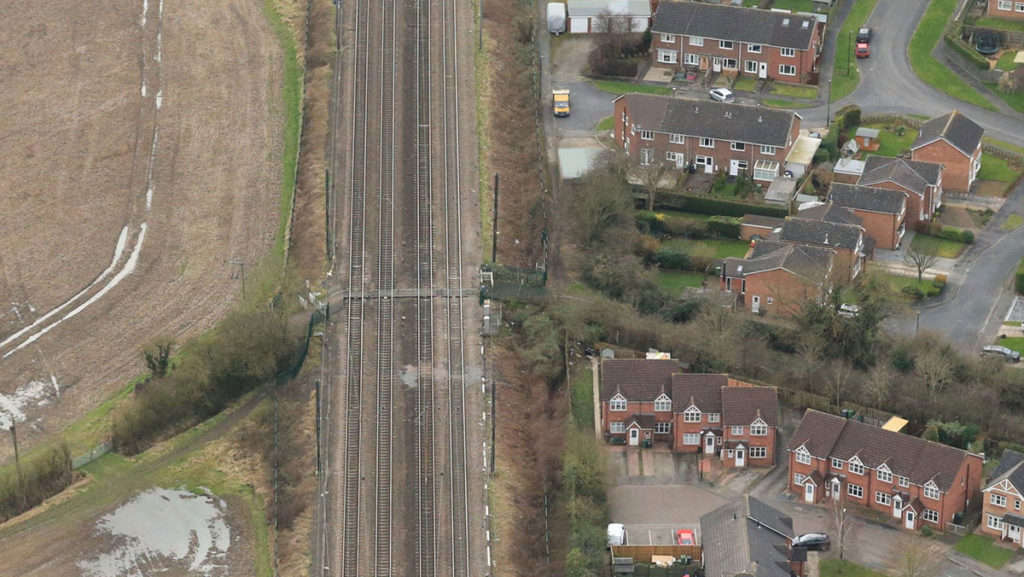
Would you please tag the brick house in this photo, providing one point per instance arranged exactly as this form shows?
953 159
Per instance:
954 141
778 277
690 412
1010 9
712 135
760 44
1002 516
916 481
922 181
882 211
749 538
833 227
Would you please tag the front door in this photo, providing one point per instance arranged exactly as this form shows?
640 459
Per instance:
634 436
837 488
734 167
1013 532
809 493
716 64
740 457
709 444
897 507
755 304
680 160
762 70
909 524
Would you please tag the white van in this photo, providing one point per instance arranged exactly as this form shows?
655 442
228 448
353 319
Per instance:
616 534
556 18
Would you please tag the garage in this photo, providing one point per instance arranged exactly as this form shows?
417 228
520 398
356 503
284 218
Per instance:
588 16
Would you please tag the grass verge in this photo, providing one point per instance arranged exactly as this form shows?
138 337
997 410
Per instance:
846 76
777 103
844 568
620 87
291 98
1017 344
791 91
981 548
675 282
745 84
995 168
931 71
1003 144
1013 222
942 247
606 124
483 143
1014 99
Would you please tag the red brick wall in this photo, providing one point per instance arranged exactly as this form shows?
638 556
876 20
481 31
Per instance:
747 231
956 174
787 291
881 227
679 428
749 441
1012 14
987 508
914 203
632 408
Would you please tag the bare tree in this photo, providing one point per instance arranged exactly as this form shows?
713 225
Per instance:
840 378
809 353
879 383
920 259
935 368
914 556
840 518
651 175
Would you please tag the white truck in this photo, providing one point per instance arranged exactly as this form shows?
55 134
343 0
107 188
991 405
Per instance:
556 18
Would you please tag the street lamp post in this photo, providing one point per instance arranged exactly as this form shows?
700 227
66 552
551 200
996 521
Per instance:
828 105
849 49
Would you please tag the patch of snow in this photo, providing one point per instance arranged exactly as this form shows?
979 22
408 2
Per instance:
12 407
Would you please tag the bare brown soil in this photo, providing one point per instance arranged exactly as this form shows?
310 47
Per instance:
77 132
531 425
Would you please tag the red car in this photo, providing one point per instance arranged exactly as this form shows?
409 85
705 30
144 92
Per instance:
863 50
685 537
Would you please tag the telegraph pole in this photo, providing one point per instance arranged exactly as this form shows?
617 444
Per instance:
17 459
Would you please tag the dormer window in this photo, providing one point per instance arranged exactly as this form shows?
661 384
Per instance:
618 403
856 467
931 491
884 474
758 428
691 415
803 457
663 403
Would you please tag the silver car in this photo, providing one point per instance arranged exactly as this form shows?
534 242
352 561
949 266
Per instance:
721 95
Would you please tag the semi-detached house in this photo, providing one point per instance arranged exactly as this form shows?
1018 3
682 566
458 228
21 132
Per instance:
954 141
883 212
733 40
1003 504
714 136
920 483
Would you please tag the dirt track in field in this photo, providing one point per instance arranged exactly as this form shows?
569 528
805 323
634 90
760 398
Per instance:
77 133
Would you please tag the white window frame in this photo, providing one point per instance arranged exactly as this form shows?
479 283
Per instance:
691 59
855 490
855 467
725 44
1005 5
663 428
787 52
763 170
646 156
930 515
931 492
674 138
665 37
884 474
737 430
617 427
691 415
730 64
618 403
691 439
671 156
714 417
771 300
837 464
997 499
1018 7
883 498
750 48
750 66
802 456
767 150
758 429
667 56
696 41
706 142
994 522
902 481
704 160
783 68
799 478
663 403
758 452
646 134
738 146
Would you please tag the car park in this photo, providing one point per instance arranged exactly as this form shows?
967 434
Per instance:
863 50
721 95
813 541
685 537
1010 355
864 35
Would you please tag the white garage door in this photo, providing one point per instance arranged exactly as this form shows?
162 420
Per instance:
578 25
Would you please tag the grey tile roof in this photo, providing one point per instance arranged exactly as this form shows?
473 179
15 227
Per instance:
1013 519
743 405
808 262
829 212
915 176
955 128
867 198
636 379
1011 467
733 23
706 118
740 538
821 233
703 389
763 221
825 436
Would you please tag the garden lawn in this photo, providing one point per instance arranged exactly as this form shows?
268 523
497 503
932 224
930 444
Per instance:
606 124
745 84
931 71
582 401
1013 222
1014 99
675 282
897 282
981 548
792 91
1003 144
724 248
843 568
1017 344
1006 60
795 5
942 247
892 143
1000 23
842 83
620 87
777 103
995 168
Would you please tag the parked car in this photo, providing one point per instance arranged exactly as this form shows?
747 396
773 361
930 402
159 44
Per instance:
685 537
1009 354
813 541
721 95
864 35
863 50
848 310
